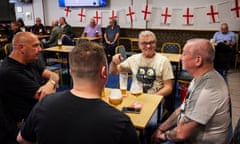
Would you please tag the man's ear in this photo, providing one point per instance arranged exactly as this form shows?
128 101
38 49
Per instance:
104 72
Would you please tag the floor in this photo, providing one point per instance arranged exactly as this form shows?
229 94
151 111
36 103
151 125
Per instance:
234 87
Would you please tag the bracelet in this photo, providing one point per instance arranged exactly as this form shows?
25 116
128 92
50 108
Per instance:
52 82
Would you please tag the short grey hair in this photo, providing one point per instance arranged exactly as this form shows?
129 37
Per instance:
147 33
204 48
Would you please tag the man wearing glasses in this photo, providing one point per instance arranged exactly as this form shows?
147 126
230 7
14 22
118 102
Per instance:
150 69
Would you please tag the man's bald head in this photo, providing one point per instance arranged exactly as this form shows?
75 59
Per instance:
23 37
26 47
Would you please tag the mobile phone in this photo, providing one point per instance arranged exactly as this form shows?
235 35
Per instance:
122 52
131 110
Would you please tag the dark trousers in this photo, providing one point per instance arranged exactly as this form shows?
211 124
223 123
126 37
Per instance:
110 51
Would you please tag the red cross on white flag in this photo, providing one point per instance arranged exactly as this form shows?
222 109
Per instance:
146 12
188 16
113 15
213 14
82 14
67 11
97 17
130 14
236 8
166 16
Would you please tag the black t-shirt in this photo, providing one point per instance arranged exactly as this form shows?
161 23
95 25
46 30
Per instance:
63 118
18 85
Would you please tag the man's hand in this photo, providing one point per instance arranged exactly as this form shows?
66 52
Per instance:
117 58
158 137
44 90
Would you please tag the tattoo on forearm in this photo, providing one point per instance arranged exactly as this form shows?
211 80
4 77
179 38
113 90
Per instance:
171 121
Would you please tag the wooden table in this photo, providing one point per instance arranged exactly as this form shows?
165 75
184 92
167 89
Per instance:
88 38
3 39
172 57
43 36
64 49
150 104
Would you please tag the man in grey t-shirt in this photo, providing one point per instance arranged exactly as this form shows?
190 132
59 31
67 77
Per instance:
204 116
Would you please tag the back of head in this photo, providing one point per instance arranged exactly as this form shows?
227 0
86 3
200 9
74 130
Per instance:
147 33
86 60
203 48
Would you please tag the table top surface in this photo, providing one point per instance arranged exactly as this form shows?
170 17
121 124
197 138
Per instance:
43 36
172 57
89 38
3 39
64 49
150 103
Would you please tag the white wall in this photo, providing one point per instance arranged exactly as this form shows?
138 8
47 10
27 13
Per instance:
51 10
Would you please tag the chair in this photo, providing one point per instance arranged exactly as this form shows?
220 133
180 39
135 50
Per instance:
126 42
7 48
171 47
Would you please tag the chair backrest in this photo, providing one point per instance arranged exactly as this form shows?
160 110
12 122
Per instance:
8 48
126 43
118 47
171 47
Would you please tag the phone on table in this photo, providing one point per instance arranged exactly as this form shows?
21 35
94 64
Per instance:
131 110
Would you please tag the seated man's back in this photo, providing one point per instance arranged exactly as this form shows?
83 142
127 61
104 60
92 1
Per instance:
66 118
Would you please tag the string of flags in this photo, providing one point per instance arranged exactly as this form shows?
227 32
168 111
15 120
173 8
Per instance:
165 16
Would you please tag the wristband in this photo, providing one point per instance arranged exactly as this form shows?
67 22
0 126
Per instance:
52 82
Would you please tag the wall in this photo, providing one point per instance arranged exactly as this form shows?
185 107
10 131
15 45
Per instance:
177 8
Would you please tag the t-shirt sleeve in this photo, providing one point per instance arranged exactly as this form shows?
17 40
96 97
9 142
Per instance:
167 70
129 135
233 37
205 106
27 131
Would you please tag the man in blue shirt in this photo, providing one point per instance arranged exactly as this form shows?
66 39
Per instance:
111 36
225 40
225 36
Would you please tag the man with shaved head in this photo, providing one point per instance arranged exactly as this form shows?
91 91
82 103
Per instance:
23 81
204 116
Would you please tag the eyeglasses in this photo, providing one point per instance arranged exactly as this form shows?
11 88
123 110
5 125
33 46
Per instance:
148 43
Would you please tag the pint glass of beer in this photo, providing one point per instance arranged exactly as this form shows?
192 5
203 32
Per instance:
123 81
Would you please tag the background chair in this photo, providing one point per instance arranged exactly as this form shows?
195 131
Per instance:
126 43
171 47
7 48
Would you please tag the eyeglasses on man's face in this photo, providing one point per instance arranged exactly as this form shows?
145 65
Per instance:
148 43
